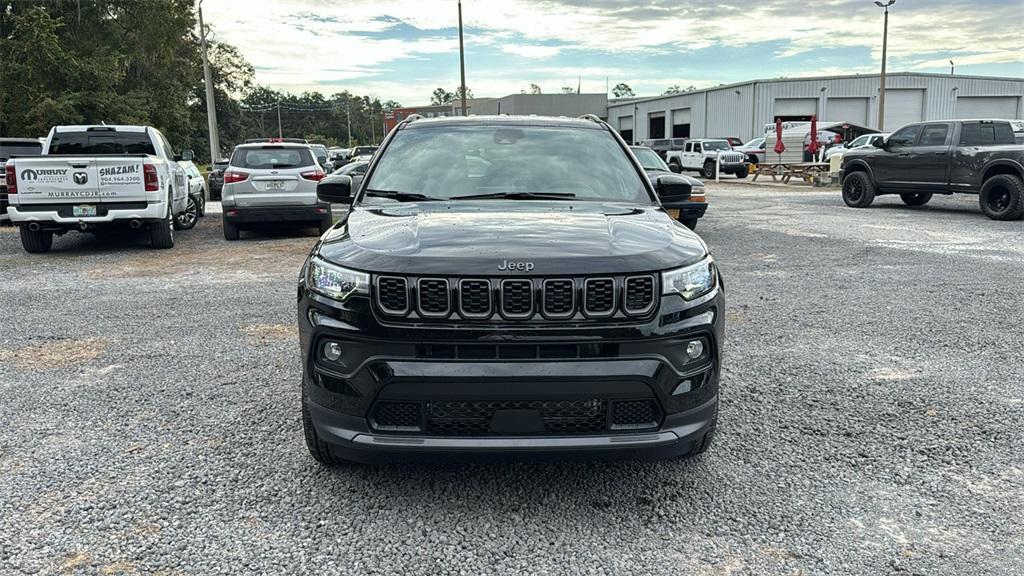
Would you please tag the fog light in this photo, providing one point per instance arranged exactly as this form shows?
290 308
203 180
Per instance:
332 351
683 387
694 349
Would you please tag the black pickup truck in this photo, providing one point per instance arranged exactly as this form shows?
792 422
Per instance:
942 157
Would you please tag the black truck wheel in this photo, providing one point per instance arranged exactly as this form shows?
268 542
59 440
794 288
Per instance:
742 172
230 230
858 190
709 170
161 233
916 198
1002 197
690 223
35 242
318 449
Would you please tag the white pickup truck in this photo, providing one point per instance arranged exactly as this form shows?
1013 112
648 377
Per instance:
94 177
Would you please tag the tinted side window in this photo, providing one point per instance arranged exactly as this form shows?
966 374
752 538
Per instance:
904 136
934 135
985 134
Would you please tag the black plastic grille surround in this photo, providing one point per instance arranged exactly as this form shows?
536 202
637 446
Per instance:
393 294
518 299
639 293
558 417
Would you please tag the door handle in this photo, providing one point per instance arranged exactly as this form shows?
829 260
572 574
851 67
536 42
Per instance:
940 153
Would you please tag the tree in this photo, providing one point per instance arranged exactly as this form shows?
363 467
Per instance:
441 96
622 90
533 89
673 89
457 95
568 90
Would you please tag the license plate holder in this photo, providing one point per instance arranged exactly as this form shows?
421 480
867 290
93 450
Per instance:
275 185
83 210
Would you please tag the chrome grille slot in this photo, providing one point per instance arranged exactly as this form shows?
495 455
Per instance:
433 297
559 298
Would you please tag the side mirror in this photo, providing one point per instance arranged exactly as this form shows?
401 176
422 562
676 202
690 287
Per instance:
675 168
187 155
880 143
335 189
672 189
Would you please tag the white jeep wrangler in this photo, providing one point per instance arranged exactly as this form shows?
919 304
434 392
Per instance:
702 154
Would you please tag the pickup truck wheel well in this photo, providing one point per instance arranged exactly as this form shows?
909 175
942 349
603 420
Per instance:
1001 169
856 168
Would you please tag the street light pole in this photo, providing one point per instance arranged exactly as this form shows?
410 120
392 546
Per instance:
885 42
462 62
279 133
211 106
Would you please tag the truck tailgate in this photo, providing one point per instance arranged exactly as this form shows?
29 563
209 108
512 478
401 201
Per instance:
80 179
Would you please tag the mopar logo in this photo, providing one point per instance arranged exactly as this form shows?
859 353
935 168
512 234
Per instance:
80 177
49 175
515 266
29 174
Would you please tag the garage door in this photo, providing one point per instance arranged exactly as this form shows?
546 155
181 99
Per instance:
986 107
626 128
795 108
852 110
656 125
681 123
903 107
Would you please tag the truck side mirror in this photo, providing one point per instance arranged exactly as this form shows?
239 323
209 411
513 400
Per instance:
672 189
187 155
335 189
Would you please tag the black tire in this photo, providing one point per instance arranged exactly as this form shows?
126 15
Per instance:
161 233
704 443
1002 197
230 231
318 449
690 223
858 190
202 207
742 173
36 242
187 219
709 170
916 198
324 226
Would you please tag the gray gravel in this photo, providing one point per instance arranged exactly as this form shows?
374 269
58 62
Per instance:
871 417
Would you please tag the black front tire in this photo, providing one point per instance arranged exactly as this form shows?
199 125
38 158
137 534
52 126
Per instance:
37 242
161 233
709 170
858 190
690 223
230 231
1002 197
318 449
324 226
916 198
742 173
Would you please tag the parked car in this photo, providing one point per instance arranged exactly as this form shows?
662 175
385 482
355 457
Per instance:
546 307
272 183
865 140
339 156
354 170
662 146
702 154
14 147
362 153
754 150
216 179
92 177
732 140
322 157
945 157
686 210
196 207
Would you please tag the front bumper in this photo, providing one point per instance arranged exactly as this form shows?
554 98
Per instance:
381 364
269 214
732 167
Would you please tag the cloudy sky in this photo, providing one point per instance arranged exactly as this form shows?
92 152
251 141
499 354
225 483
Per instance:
402 50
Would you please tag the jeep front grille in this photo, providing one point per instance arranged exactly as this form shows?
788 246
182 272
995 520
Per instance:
517 299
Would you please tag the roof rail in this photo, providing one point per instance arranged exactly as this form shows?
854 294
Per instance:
592 118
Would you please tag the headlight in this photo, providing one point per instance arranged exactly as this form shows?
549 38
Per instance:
691 282
335 282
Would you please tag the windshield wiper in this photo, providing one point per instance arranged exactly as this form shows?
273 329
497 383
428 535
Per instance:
518 196
401 196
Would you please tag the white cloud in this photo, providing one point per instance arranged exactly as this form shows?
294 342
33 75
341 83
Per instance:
530 51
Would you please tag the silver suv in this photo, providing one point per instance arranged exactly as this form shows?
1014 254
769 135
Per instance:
272 182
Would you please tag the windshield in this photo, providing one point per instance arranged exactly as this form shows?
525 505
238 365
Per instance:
271 157
8 149
100 142
712 145
755 143
445 162
649 159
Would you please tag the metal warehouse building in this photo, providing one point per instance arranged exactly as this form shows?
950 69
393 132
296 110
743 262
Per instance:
743 109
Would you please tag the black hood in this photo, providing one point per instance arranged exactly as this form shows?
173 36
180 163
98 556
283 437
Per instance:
475 238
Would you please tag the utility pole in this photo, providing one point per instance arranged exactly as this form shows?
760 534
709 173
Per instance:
211 106
885 42
348 120
462 62
951 67
280 134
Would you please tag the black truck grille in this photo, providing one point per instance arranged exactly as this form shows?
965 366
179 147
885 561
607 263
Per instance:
517 299
570 417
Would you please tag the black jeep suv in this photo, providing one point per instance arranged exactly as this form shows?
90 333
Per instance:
508 286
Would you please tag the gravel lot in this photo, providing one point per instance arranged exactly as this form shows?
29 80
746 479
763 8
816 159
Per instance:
871 420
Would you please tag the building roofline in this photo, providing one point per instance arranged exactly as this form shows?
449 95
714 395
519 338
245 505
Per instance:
623 102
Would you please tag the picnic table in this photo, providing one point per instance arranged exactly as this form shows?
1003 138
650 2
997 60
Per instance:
803 170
